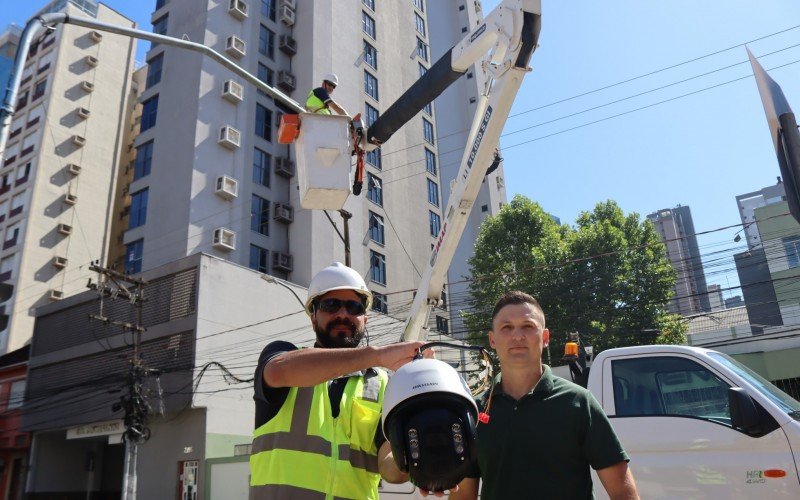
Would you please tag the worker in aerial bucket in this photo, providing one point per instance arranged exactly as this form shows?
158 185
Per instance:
319 100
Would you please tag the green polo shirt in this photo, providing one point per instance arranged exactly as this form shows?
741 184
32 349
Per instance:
542 445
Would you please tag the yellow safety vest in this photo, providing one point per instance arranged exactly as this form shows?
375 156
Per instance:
304 453
315 105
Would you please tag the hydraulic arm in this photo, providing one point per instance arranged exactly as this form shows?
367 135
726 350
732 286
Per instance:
504 44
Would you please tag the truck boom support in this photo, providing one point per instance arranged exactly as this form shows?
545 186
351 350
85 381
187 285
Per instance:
510 32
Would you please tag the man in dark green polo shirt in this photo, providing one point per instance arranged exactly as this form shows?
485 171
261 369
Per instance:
544 432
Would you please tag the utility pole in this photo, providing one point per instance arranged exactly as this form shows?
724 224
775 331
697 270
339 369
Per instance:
116 285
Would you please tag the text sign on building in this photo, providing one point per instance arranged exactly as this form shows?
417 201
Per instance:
98 429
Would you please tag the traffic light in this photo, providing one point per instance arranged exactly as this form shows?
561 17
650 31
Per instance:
6 290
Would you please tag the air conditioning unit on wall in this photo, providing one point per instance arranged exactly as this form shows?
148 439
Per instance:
233 91
287 15
227 187
229 137
224 239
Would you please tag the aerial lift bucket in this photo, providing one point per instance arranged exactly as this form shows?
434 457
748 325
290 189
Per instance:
323 151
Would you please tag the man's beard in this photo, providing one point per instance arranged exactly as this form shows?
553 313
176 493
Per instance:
325 337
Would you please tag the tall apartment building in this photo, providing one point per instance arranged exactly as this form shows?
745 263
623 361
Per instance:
208 174
59 166
676 229
453 19
752 265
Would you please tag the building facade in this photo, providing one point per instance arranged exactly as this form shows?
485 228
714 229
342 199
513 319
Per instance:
207 320
59 167
676 230
747 204
208 174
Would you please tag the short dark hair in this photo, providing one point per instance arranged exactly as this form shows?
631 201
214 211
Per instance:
513 298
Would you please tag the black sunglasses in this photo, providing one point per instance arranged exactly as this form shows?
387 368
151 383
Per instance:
330 306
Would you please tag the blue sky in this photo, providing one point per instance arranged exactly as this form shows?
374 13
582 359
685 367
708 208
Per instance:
699 150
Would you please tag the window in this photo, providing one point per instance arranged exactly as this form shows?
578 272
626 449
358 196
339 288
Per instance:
154 66
433 193
160 28
266 42
263 122
667 385
435 223
12 232
420 4
380 303
422 50
23 171
368 24
133 257
268 9
376 228
427 130
370 85
430 161
377 267
371 114
6 268
16 394
422 69
259 215
261 164
428 109
792 247
17 203
374 189
259 259
149 113
442 324
370 55
22 100
38 90
266 75
370 4
144 159
161 3
420 23
374 158
138 208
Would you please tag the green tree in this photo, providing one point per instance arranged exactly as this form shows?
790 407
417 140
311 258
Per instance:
607 278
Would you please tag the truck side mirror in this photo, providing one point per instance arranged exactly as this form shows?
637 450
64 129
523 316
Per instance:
744 414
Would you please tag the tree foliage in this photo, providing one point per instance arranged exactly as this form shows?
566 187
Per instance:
607 278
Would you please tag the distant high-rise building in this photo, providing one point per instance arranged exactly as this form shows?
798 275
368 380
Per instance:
715 300
61 161
751 265
732 302
676 229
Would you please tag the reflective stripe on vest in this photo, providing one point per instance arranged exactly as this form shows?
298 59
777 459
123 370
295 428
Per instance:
303 452
315 105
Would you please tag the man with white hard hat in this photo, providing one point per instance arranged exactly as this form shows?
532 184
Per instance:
318 409
319 99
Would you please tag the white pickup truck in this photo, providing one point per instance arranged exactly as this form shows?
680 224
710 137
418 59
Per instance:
698 424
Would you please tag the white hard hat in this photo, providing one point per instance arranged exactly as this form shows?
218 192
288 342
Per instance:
331 77
337 276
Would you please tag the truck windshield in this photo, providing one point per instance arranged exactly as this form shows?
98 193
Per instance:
777 396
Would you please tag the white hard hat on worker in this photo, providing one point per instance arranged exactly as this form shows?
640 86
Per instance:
332 78
337 276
